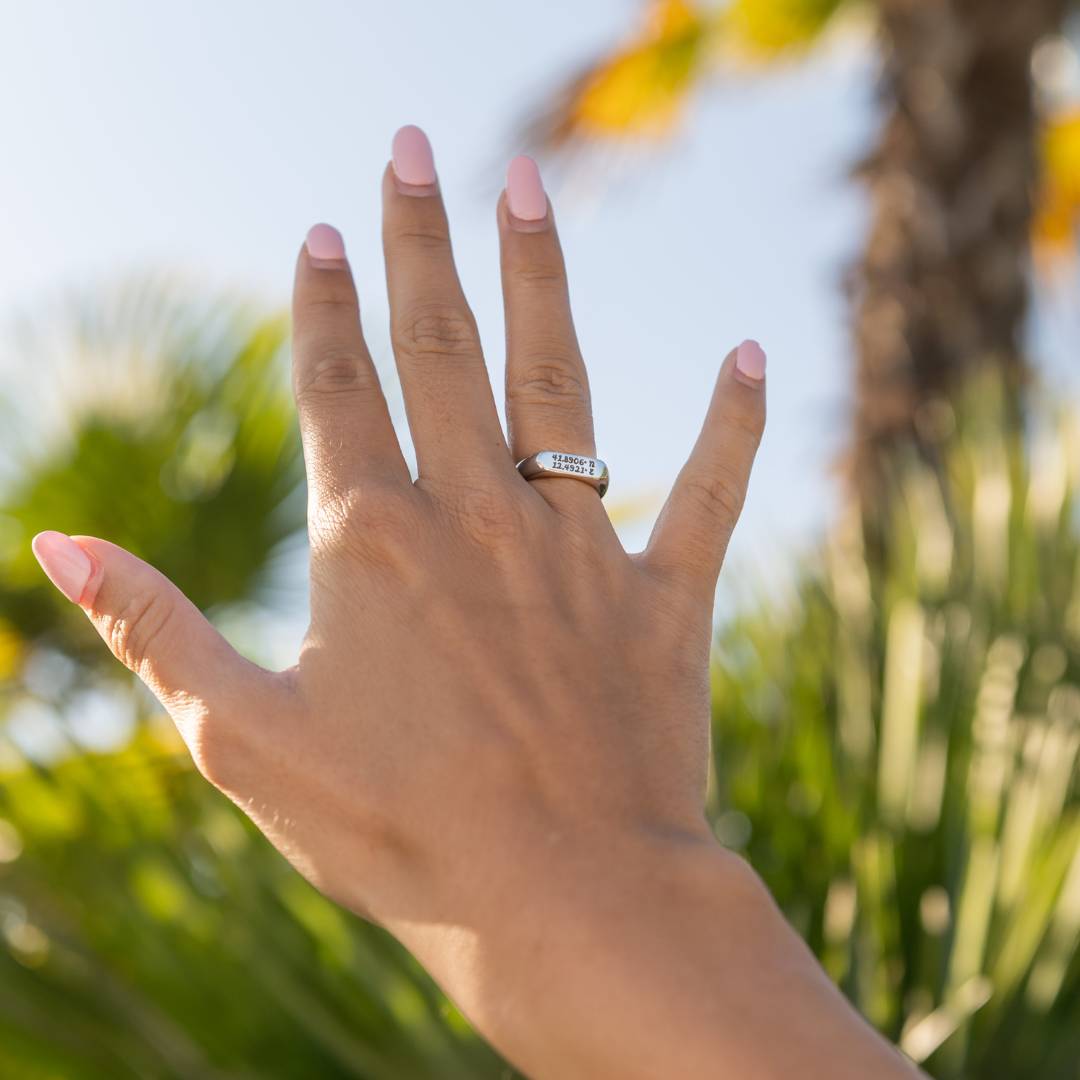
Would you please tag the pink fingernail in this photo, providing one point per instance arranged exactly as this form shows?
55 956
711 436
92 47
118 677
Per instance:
525 190
66 564
412 158
750 360
325 244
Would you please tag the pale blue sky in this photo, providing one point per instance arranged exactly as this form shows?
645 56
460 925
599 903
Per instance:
208 135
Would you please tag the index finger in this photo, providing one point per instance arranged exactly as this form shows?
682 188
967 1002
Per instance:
344 421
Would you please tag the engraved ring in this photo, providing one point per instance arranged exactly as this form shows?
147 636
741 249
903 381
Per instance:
591 471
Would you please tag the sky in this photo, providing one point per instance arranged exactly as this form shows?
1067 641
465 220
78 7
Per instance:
207 136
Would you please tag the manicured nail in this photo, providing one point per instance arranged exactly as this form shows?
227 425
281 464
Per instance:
525 190
412 158
750 360
66 564
324 244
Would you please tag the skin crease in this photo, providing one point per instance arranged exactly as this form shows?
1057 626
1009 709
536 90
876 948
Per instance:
495 740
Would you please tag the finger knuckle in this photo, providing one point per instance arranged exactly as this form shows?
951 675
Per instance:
435 333
363 520
718 494
542 276
332 304
333 370
749 423
490 516
549 380
142 625
423 238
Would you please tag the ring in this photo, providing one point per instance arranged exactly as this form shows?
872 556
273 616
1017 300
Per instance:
591 471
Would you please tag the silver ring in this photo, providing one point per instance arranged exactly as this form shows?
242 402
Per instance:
591 471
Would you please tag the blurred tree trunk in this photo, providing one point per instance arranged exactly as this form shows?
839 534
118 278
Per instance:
942 289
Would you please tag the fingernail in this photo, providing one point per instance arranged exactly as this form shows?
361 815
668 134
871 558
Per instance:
412 158
66 564
525 190
750 360
324 244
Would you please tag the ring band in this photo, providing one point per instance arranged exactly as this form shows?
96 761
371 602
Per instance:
591 471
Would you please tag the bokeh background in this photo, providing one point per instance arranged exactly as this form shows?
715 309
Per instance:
886 193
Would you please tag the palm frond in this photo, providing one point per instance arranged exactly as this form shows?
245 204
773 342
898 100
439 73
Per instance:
637 91
640 90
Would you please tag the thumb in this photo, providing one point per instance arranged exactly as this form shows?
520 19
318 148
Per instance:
159 634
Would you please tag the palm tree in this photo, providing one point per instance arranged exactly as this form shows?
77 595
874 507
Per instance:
941 290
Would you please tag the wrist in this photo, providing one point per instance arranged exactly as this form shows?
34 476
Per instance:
578 972
566 887
567 962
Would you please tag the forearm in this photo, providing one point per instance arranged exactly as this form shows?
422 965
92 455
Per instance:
675 964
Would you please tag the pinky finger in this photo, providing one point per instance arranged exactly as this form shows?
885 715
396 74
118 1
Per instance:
692 533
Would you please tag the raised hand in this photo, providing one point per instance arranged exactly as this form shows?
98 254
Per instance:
494 741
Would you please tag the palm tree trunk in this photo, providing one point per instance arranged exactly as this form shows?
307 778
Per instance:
942 290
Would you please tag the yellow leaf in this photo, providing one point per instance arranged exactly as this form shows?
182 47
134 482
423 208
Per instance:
766 28
1058 211
11 650
639 89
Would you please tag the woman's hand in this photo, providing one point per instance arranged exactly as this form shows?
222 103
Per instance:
494 742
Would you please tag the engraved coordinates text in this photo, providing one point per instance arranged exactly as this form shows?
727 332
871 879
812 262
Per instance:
571 464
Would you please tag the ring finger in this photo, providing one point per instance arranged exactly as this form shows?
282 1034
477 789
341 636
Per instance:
547 387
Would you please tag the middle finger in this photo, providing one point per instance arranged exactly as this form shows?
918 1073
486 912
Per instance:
448 398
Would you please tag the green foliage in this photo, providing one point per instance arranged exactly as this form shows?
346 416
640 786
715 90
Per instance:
146 928
897 755
178 442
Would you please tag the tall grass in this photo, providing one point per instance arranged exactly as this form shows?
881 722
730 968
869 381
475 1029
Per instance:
896 752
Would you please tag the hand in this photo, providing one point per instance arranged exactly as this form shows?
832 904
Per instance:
494 742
